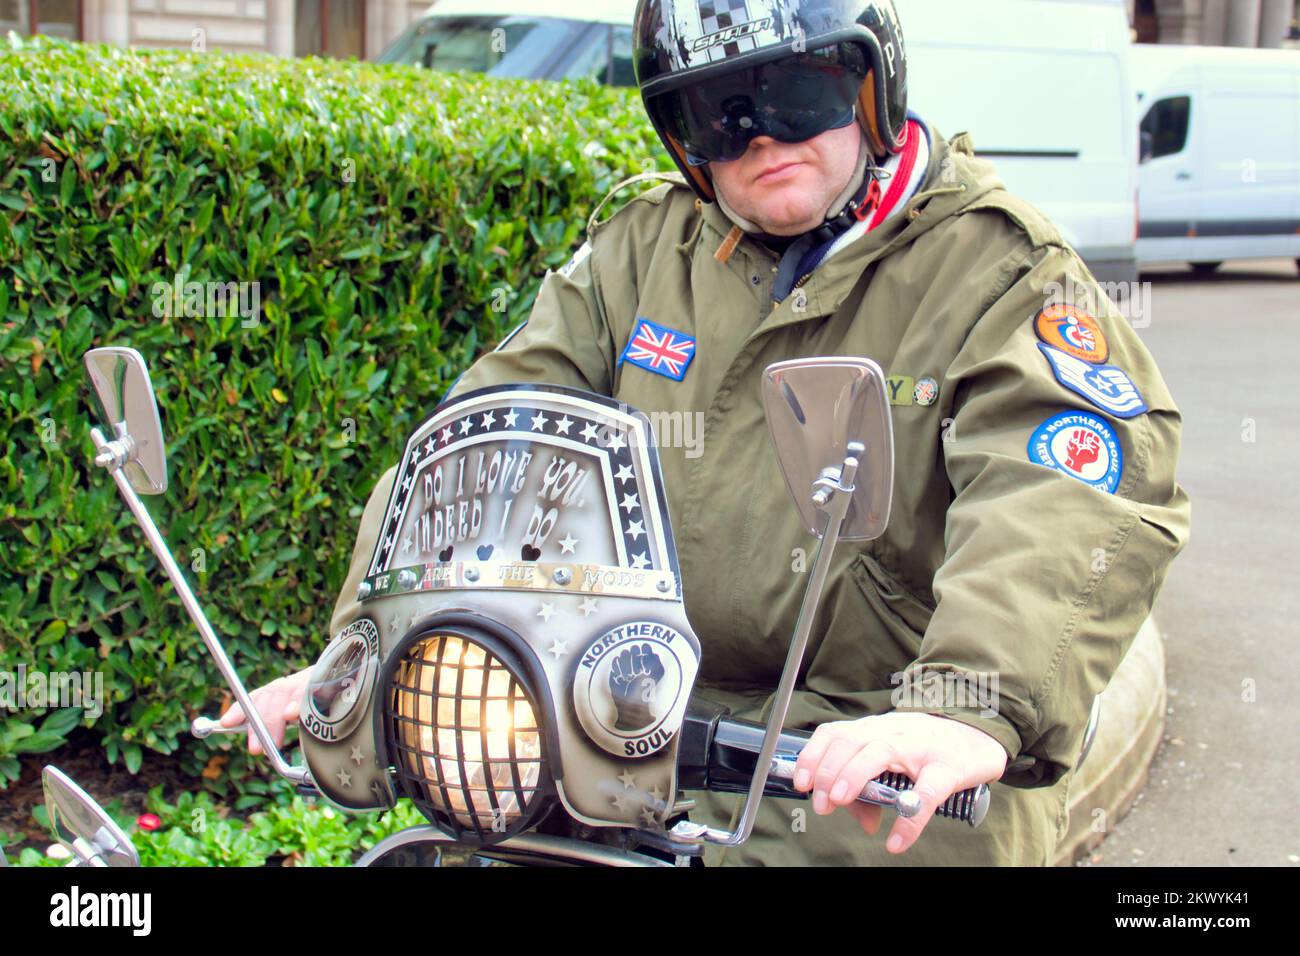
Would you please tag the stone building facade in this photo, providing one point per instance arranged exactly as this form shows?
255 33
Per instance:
362 28
359 28
1247 23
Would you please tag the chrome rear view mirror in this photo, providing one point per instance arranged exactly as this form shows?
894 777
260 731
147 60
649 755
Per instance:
124 402
816 408
834 440
82 826
129 446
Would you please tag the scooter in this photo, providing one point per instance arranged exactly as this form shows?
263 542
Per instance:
518 662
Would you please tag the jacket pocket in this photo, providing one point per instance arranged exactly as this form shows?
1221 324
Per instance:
903 615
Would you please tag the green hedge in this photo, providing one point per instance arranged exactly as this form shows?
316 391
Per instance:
397 222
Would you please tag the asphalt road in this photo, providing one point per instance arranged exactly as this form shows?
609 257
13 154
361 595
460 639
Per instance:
1224 788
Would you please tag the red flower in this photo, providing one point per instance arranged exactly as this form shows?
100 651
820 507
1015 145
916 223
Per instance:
148 822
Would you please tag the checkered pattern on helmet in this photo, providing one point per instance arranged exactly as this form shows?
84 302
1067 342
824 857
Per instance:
717 15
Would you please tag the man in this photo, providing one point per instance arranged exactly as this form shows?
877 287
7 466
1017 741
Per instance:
1036 510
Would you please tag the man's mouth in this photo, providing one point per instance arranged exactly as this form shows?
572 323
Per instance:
777 172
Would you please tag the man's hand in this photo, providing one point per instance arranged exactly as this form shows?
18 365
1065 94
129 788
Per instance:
278 703
943 756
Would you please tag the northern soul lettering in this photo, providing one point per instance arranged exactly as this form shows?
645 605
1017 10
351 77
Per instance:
639 631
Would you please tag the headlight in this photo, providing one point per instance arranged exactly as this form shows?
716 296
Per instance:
464 736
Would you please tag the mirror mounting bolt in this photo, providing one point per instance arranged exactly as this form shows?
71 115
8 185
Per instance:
112 454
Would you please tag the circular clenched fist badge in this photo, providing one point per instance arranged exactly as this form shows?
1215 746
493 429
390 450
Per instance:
631 687
1082 445
341 682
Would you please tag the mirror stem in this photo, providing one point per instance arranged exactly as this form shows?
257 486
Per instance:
833 493
104 450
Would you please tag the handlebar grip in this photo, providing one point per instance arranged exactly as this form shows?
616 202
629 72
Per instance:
887 790
969 806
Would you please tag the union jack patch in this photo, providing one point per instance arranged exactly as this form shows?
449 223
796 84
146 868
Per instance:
660 350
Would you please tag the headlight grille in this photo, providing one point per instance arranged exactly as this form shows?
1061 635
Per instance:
464 737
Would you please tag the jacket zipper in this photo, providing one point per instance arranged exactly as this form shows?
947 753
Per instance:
870 205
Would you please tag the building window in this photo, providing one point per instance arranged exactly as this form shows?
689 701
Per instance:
1146 22
58 18
330 28
1164 129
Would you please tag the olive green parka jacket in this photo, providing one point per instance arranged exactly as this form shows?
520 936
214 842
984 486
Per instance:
998 565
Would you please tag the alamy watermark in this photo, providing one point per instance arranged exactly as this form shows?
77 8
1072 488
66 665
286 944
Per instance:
194 300
1132 299
668 429
934 689
23 689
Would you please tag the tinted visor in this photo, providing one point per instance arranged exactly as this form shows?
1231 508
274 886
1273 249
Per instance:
791 100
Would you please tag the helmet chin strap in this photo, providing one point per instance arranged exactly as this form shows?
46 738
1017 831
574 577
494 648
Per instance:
834 219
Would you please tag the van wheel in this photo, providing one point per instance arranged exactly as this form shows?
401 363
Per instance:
1204 269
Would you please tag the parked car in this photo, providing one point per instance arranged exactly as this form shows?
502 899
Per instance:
1043 87
530 39
1220 172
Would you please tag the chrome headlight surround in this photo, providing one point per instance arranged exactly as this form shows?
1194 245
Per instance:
467 722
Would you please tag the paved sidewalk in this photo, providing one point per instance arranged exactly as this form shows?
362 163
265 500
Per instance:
1223 786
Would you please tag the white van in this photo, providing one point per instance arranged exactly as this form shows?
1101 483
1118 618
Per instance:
1220 173
1044 89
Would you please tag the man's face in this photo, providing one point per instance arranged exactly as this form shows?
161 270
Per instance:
785 188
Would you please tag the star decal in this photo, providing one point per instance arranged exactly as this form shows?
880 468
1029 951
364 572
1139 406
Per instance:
639 561
630 503
648 818
489 420
562 426
616 442
356 756
429 446
627 778
657 793
559 649
510 418
539 422
589 432
624 473
566 544
588 606
635 529
345 778
406 483
546 611
1102 384
620 801
392 624
407 544
446 434
466 424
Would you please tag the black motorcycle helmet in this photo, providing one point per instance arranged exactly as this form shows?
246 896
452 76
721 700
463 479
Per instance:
681 46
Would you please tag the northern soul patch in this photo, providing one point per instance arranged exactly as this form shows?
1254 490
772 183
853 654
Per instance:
631 687
1082 445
